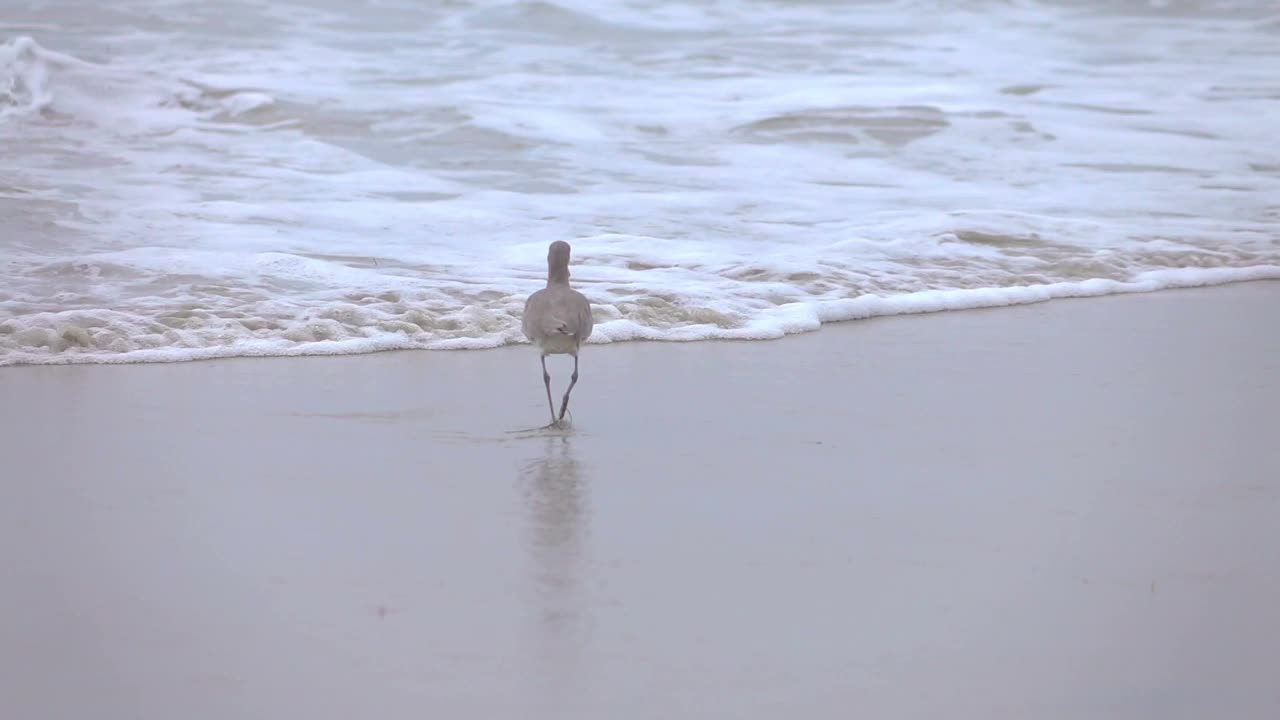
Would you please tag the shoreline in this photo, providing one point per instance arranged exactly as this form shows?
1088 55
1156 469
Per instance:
784 321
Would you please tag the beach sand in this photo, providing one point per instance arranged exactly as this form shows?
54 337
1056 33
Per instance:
1063 510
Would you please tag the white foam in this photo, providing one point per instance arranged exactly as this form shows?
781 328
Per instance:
267 182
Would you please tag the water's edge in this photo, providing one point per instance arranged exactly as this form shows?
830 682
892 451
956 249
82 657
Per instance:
864 308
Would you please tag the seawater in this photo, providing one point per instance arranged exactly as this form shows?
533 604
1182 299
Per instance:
183 180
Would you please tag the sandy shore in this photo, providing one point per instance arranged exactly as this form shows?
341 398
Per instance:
1066 510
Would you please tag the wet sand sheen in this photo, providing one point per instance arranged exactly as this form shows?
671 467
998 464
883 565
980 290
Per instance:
1054 511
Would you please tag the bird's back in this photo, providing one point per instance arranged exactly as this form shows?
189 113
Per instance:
557 318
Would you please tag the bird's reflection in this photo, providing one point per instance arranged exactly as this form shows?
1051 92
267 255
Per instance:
556 497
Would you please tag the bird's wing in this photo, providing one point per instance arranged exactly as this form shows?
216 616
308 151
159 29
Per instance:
533 309
585 323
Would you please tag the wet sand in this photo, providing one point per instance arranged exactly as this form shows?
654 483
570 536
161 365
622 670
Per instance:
1066 510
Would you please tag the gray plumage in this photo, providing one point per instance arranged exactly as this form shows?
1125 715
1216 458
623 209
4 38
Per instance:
557 319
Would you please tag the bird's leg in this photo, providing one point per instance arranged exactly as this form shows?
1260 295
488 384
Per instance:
573 380
546 380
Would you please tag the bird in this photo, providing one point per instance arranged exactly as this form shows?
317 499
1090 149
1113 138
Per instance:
557 319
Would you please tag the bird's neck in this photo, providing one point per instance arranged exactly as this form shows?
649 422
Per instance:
557 276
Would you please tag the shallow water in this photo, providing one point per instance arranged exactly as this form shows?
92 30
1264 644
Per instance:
185 181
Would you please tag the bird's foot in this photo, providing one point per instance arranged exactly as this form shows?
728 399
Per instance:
559 424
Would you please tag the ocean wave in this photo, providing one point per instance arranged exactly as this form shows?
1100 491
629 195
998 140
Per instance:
36 82
253 180
293 308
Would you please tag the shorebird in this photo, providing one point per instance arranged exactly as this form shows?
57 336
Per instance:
557 319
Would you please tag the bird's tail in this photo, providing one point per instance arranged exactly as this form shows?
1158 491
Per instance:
556 326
